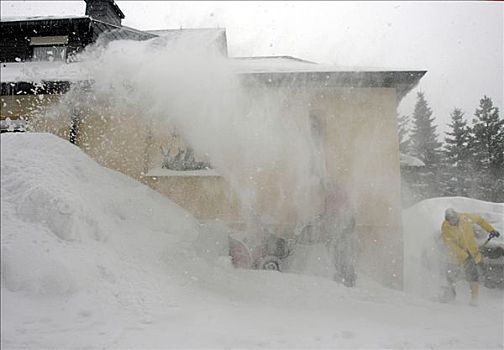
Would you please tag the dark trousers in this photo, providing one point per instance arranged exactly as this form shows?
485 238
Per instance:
469 271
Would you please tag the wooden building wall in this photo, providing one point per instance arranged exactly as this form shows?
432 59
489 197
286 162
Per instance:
15 38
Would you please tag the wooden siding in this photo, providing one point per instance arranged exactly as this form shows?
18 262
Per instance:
82 31
15 39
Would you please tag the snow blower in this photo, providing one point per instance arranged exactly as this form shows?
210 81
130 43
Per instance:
262 249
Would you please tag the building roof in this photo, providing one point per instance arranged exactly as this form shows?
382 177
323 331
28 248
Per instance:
272 71
120 32
272 64
176 33
41 71
113 31
287 70
268 64
39 18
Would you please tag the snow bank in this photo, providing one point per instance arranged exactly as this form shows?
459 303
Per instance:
407 160
422 228
93 259
56 201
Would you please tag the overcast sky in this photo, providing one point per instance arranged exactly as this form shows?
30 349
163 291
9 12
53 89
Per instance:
460 44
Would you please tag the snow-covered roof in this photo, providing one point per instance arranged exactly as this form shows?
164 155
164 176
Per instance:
289 70
276 64
187 31
407 160
273 70
39 71
39 18
273 64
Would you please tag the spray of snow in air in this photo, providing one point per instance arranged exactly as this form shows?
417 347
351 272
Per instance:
257 134
248 131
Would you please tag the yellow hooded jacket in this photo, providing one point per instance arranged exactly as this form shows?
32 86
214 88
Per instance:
460 238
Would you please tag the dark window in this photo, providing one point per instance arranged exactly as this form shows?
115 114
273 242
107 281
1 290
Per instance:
49 53
49 48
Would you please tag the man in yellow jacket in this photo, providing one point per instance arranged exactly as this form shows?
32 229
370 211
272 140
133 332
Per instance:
458 235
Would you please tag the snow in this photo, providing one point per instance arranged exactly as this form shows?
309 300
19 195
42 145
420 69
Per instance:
91 258
60 71
39 71
13 125
272 64
207 34
75 71
39 18
407 160
288 64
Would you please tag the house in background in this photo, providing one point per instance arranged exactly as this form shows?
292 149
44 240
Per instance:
352 114
59 38
36 53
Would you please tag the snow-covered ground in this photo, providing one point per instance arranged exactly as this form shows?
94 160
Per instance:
91 258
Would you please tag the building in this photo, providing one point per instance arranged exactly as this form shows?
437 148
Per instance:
351 113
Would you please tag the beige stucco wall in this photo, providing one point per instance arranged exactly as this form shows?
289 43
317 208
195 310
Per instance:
15 106
361 153
28 107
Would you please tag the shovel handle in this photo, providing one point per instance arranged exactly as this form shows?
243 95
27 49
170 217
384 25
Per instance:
488 240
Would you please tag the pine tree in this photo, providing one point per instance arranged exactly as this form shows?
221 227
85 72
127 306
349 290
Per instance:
402 133
424 142
487 143
457 156
424 146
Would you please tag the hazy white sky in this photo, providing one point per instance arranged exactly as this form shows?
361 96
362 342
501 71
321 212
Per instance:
460 44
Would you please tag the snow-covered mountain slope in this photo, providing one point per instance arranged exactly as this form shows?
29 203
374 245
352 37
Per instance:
91 258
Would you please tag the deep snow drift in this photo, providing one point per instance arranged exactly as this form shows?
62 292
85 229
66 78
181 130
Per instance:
91 258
